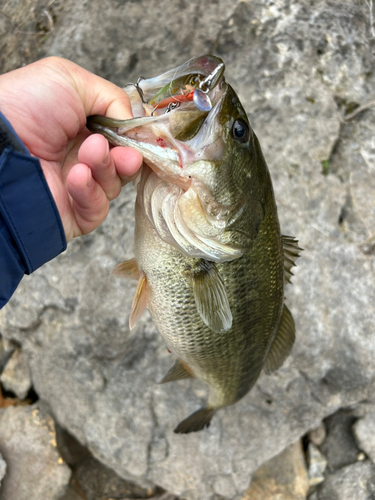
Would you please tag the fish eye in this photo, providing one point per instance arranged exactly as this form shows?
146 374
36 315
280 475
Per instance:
240 131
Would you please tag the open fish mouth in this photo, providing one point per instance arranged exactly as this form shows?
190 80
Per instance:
171 137
157 153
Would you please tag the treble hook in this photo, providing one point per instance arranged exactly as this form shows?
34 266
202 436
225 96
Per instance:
201 98
171 106
138 88
210 81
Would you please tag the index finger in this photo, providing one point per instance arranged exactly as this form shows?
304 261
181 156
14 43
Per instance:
98 96
127 162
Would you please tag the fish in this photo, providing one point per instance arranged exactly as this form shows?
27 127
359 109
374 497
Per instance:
210 260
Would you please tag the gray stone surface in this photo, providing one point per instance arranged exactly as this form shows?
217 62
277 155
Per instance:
298 67
318 435
284 477
6 350
3 468
364 431
356 481
35 469
16 375
92 480
317 464
340 447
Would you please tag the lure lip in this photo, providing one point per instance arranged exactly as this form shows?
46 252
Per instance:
202 100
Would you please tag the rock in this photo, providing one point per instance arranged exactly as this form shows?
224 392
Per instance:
298 70
340 447
318 435
3 468
16 375
93 480
317 465
97 481
356 481
28 445
6 350
70 494
284 477
364 431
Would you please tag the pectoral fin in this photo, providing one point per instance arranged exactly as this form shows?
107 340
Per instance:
211 297
291 254
282 343
139 301
178 371
127 269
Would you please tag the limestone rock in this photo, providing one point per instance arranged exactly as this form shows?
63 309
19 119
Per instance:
340 447
317 464
298 67
16 375
3 468
284 477
6 350
35 469
318 435
364 431
356 481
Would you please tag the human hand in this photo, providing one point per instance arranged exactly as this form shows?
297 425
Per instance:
47 103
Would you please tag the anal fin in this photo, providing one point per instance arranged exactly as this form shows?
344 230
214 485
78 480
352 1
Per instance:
127 269
282 343
196 421
178 371
139 301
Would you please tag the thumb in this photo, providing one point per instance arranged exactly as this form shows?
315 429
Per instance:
98 96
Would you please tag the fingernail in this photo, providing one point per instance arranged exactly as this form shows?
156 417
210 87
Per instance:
90 180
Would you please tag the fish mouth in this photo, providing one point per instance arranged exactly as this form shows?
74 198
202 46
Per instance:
158 153
158 137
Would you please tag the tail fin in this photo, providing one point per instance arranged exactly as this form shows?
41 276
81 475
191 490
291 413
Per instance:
196 421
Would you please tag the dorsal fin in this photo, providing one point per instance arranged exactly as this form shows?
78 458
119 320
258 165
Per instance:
127 269
139 301
178 371
282 343
211 297
291 254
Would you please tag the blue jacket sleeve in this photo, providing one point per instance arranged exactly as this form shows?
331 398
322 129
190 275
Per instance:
31 231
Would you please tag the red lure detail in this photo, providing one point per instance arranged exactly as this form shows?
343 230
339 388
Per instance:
175 98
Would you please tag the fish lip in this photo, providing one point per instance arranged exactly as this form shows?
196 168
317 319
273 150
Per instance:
165 162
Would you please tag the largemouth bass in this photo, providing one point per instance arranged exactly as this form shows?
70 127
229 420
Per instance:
210 261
